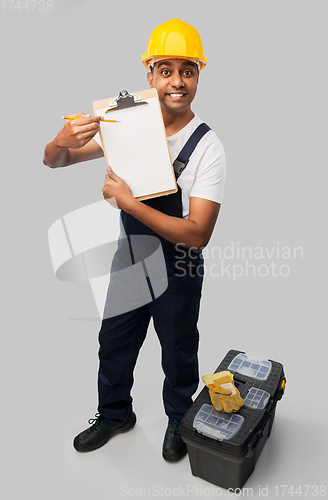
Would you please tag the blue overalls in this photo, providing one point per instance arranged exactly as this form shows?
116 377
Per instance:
175 315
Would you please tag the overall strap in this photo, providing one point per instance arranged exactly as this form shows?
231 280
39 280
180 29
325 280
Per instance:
183 157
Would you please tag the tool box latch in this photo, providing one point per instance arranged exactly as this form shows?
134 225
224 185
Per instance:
254 443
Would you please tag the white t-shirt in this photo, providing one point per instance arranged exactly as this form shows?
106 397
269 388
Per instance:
204 176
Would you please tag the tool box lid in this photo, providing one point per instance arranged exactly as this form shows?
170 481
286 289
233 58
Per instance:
217 424
252 367
206 427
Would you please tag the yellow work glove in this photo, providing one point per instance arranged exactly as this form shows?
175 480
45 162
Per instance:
223 392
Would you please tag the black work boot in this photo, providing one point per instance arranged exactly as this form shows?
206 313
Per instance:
173 446
99 433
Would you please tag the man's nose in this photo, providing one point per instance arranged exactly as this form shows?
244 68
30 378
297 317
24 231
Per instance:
176 80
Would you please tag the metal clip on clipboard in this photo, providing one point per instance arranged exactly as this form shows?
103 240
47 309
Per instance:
125 100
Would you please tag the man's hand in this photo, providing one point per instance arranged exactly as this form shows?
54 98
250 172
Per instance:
76 133
116 187
74 143
193 232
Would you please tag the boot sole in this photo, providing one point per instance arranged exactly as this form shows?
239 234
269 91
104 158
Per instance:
174 457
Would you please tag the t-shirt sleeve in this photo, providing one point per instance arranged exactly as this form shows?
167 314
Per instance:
211 171
97 139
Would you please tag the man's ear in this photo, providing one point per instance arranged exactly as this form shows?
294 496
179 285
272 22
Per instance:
150 79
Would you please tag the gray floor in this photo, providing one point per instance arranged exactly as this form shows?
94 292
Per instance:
59 405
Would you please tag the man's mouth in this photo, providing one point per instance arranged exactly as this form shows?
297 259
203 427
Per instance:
176 95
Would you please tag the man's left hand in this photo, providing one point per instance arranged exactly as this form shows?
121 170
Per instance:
116 187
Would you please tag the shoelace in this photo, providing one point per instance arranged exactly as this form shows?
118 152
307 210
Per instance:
95 421
175 426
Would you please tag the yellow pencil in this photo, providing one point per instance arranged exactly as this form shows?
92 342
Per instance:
81 117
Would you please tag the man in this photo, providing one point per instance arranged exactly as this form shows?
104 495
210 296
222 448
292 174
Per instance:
183 221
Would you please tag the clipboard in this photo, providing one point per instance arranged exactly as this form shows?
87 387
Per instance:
136 148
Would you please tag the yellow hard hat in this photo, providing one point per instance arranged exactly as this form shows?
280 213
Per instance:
173 39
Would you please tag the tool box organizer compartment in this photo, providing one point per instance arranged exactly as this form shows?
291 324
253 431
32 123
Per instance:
223 447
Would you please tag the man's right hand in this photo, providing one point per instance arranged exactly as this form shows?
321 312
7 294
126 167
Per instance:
74 143
76 133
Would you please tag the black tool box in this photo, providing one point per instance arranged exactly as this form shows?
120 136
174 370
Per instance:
223 447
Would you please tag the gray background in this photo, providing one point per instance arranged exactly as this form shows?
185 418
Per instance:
264 93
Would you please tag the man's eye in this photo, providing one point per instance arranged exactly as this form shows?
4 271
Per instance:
165 72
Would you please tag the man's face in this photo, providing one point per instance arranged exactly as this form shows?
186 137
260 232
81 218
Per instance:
176 83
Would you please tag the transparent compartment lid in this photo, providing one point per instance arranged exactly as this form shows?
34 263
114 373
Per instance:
252 367
216 424
256 398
